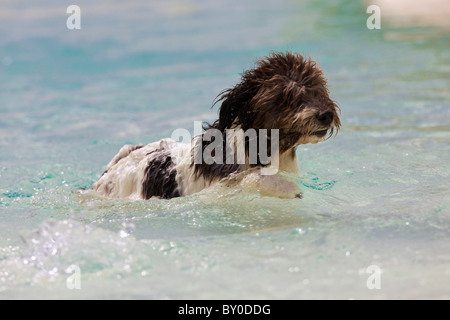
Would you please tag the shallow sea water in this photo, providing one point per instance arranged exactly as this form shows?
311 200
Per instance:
376 195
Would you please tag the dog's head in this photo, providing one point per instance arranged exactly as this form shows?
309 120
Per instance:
285 91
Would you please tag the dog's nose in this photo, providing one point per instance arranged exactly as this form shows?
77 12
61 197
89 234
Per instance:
325 117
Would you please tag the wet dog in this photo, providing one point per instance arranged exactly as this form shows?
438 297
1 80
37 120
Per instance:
284 98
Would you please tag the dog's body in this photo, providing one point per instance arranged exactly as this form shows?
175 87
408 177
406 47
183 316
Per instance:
284 92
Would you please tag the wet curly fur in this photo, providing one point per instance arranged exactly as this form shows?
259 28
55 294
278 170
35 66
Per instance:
284 91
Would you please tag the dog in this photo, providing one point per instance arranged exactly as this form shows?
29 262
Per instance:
285 93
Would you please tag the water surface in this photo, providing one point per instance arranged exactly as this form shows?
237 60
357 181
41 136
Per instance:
377 194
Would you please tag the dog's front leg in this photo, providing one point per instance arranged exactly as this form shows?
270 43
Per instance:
277 185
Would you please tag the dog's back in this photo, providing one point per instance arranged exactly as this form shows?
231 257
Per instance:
141 172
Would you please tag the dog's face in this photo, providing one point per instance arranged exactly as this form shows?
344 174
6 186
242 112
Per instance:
312 120
287 92
294 99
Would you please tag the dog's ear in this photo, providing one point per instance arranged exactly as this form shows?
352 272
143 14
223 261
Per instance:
233 103
235 109
227 110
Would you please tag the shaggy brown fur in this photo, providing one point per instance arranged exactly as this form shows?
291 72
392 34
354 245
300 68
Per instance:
284 91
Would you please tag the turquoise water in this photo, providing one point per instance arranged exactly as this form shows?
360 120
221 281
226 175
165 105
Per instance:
377 194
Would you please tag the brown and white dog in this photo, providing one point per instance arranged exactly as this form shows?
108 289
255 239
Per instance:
284 92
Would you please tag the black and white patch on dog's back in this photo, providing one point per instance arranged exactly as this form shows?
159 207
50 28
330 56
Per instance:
159 176
141 172
161 169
